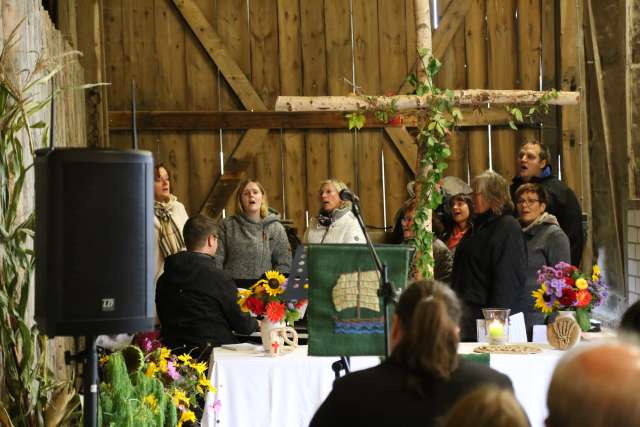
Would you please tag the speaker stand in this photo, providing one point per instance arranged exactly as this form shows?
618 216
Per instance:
90 410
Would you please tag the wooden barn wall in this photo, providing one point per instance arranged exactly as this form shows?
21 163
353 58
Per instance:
38 36
335 47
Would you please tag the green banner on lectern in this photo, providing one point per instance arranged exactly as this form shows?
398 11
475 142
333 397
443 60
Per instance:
345 312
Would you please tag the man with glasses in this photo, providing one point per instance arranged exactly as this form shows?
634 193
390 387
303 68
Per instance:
534 167
546 243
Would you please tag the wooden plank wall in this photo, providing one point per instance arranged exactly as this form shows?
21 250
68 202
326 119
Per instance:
330 47
39 36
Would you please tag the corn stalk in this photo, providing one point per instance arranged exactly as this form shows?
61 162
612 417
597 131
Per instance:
30 394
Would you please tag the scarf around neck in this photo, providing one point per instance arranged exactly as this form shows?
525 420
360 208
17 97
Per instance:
171 240
327 218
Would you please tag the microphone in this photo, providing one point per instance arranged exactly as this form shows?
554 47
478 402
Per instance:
349 196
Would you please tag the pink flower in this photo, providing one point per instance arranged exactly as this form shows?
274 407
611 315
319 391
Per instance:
216 406
171 370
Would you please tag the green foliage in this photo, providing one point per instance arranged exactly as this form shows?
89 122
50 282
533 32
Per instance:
436 124
132 399
541 106
30 393
356 120
583 318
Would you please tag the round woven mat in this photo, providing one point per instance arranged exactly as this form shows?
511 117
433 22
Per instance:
508 349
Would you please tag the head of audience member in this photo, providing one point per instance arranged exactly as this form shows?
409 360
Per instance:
532 159
201 234
630 322
251 199
161 183
531 202
425 333
409 208
596 386
461 206
330 195
490 192
487 407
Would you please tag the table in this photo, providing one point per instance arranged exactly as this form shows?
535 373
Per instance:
257 390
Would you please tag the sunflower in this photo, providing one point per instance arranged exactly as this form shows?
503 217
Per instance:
273 284
544 303
243 294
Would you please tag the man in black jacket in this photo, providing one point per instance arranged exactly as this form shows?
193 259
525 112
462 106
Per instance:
534 167
196 302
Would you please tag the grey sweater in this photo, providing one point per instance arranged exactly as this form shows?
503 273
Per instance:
246 248
547 244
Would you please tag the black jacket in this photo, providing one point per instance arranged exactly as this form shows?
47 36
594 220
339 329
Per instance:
382 396
489 268
563 204
197 304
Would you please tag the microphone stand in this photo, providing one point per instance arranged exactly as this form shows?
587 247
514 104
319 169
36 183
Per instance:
386 291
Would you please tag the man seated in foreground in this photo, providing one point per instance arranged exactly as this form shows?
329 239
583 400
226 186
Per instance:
423 377
196 302
596 386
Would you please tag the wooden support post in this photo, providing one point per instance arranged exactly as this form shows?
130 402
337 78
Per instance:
606 133
423 42
476 53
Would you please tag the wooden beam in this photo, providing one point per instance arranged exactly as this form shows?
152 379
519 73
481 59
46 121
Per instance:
215 48
236 163
214 120
442 36
224 188
606 130
469 97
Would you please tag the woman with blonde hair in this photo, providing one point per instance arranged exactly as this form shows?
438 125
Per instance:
253 240
335 222
423 377
487 407
490 262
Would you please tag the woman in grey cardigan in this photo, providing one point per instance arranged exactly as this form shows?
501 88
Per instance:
252 241
547 244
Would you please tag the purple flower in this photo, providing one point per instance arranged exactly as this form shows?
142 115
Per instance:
171 371
554 287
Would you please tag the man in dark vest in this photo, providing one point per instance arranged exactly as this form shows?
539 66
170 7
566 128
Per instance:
196 302
534 167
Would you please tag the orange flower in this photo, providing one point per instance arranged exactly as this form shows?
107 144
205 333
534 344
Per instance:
583 298
275 311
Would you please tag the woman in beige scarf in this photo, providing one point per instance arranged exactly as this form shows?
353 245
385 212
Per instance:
170 217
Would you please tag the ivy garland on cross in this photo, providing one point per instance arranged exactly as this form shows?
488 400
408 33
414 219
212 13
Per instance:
435 122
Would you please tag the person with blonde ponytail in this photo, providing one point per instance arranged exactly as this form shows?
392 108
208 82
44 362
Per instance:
424 376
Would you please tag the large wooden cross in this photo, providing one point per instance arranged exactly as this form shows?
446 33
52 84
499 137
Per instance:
467 97
324 108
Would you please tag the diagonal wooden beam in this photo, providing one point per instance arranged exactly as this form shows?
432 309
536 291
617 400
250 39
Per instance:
449 25
245 150
215 48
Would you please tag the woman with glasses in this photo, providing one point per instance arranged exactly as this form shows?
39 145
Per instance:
547 244
489 263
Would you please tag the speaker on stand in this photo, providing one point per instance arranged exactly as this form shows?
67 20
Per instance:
95 247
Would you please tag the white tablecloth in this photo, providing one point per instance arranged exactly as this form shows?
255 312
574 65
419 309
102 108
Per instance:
256 390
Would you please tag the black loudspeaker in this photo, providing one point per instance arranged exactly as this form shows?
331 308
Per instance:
95 245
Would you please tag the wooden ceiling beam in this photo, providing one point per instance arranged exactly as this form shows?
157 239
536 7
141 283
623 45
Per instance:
214 120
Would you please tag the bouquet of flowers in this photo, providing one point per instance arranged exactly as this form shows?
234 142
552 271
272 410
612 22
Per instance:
152 387
264 298
564 287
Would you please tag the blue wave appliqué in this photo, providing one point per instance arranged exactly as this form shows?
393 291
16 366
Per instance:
359 328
